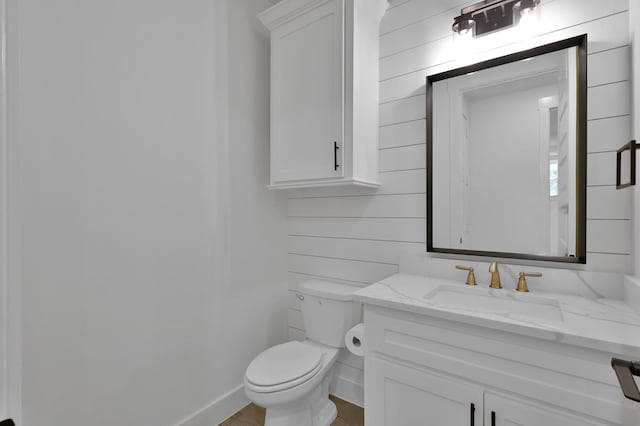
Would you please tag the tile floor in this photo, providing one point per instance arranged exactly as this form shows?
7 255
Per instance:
252 415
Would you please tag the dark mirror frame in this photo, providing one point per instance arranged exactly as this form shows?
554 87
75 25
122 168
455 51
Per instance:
581 148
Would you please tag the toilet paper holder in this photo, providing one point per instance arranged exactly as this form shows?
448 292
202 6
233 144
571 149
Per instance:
355 340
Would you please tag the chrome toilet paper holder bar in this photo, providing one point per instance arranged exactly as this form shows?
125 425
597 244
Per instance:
625 370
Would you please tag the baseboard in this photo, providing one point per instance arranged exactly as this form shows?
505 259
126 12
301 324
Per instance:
219 410
347 390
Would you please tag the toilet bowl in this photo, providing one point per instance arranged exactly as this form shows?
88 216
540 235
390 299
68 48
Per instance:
291 380
292 400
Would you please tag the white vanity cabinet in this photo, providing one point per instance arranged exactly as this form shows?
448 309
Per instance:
422 370
324 92
406 395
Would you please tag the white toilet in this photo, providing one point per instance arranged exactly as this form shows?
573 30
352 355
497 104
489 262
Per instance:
291 380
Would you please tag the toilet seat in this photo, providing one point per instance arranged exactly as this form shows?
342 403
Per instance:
283 366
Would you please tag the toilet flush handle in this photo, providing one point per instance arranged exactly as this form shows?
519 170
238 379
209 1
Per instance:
300 296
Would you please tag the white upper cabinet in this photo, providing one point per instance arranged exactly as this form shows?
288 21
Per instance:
324 92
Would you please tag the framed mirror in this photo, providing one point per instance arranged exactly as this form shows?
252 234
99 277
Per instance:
507 156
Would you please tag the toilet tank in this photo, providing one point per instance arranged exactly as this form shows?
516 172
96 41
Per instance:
328 311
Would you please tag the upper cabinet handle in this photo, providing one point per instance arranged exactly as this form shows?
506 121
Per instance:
335 155
473 414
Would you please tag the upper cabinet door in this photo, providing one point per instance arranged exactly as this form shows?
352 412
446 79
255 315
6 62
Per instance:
324 92
307 100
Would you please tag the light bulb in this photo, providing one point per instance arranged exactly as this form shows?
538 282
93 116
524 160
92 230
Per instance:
464 43
528 24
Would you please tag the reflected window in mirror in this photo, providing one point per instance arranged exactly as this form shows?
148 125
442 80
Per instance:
506 156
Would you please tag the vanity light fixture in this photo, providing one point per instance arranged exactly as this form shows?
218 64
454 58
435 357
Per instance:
488 16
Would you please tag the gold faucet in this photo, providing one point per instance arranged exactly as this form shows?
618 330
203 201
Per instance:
495 276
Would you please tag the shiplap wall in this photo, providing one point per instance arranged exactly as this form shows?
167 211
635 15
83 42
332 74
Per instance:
357 236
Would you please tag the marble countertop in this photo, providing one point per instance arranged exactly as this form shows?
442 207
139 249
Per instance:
608 325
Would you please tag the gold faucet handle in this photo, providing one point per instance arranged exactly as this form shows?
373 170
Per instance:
522 281
471 277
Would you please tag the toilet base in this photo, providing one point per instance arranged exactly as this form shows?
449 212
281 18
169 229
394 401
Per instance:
321 416
314 409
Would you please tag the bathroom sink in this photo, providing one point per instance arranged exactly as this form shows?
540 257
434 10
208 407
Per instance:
501 302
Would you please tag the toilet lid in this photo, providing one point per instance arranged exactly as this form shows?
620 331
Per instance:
285 363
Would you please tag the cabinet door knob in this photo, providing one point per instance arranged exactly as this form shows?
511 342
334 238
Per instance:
335 155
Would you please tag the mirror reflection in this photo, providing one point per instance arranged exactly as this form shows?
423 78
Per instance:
507 156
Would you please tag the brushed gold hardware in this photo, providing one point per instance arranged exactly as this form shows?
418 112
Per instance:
495 276
522 281
471 277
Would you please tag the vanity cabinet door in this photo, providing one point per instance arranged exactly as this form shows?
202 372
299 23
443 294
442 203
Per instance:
501 411
399 395
307 96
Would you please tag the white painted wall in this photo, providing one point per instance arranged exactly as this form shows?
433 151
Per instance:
153 255
358 236
11 306
4 282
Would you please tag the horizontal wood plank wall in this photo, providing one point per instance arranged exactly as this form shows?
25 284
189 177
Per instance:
357 236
